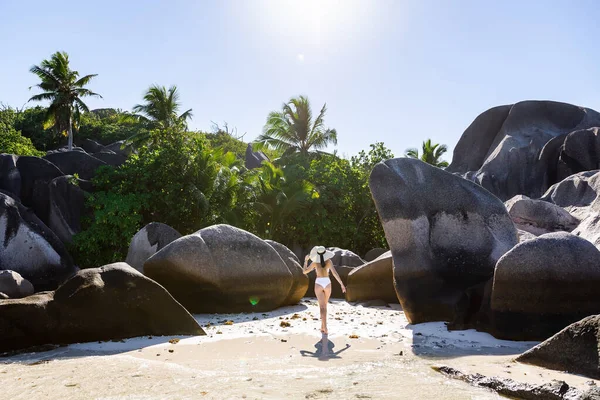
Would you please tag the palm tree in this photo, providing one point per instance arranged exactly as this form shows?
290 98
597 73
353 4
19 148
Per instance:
161 107
293 130
64 89
431 154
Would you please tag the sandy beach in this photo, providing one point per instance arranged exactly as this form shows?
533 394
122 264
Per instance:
371 352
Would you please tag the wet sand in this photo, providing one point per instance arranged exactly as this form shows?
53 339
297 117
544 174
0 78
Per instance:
371 352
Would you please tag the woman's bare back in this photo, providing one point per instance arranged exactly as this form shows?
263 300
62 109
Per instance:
322 272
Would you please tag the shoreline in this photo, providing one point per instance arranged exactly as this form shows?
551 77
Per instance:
255 357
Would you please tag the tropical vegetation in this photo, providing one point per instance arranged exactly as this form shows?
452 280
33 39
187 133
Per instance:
191 179
431 153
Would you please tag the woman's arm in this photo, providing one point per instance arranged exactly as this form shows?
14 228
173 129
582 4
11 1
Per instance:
306 269
334 272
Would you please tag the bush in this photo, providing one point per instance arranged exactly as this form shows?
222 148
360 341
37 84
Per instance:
12 142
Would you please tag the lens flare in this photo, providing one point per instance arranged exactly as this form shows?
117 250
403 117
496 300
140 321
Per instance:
254 300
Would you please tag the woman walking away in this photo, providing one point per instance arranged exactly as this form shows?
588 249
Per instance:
321 263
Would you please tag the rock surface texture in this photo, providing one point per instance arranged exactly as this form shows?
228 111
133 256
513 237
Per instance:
373 280
544 284
503 149
300 285
222 269
575 349
111 302
150 239
445 234
28 247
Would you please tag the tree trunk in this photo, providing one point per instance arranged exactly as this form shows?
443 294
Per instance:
70 145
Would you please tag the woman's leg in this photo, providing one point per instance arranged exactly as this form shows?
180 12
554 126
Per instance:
321 297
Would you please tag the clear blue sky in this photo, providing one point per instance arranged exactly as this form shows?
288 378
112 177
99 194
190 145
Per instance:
393 71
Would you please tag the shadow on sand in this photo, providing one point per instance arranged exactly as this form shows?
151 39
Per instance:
324 350
433 339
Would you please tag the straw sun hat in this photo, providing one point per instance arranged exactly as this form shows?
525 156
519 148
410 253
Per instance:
316 251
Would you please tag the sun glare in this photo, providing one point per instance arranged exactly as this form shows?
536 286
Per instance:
314 22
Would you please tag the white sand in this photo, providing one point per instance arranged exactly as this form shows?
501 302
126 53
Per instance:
255 357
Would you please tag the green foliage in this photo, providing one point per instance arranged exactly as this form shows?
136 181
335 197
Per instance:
177 180
278 199
432 154
293 129
107 126
11 142
107 235
343 214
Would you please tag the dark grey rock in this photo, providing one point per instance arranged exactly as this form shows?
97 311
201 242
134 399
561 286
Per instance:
373 280
254 159
580 152
553 390
475 144
345 258
36 174
445 234
111 158
111 302
512 163
374 253
67 207
150 239
10 178
300 285
222 269
121 148
544 284
575 349
14 286
523 235
91 146
76 162
65 149
539 217
28 247
578 190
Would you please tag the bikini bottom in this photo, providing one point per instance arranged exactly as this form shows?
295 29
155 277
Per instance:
323 282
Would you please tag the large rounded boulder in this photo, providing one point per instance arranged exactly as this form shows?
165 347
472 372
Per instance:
10 178
575 349
150 239
539 217
36 175
28 247
67 206
373 281
107 303
544 284
502 149
445 234
222 269
346 258
76 162
579 152
300 285
14 286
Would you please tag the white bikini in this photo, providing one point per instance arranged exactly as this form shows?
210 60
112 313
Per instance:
323 282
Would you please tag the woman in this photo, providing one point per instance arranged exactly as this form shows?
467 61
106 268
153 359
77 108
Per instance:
321 263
